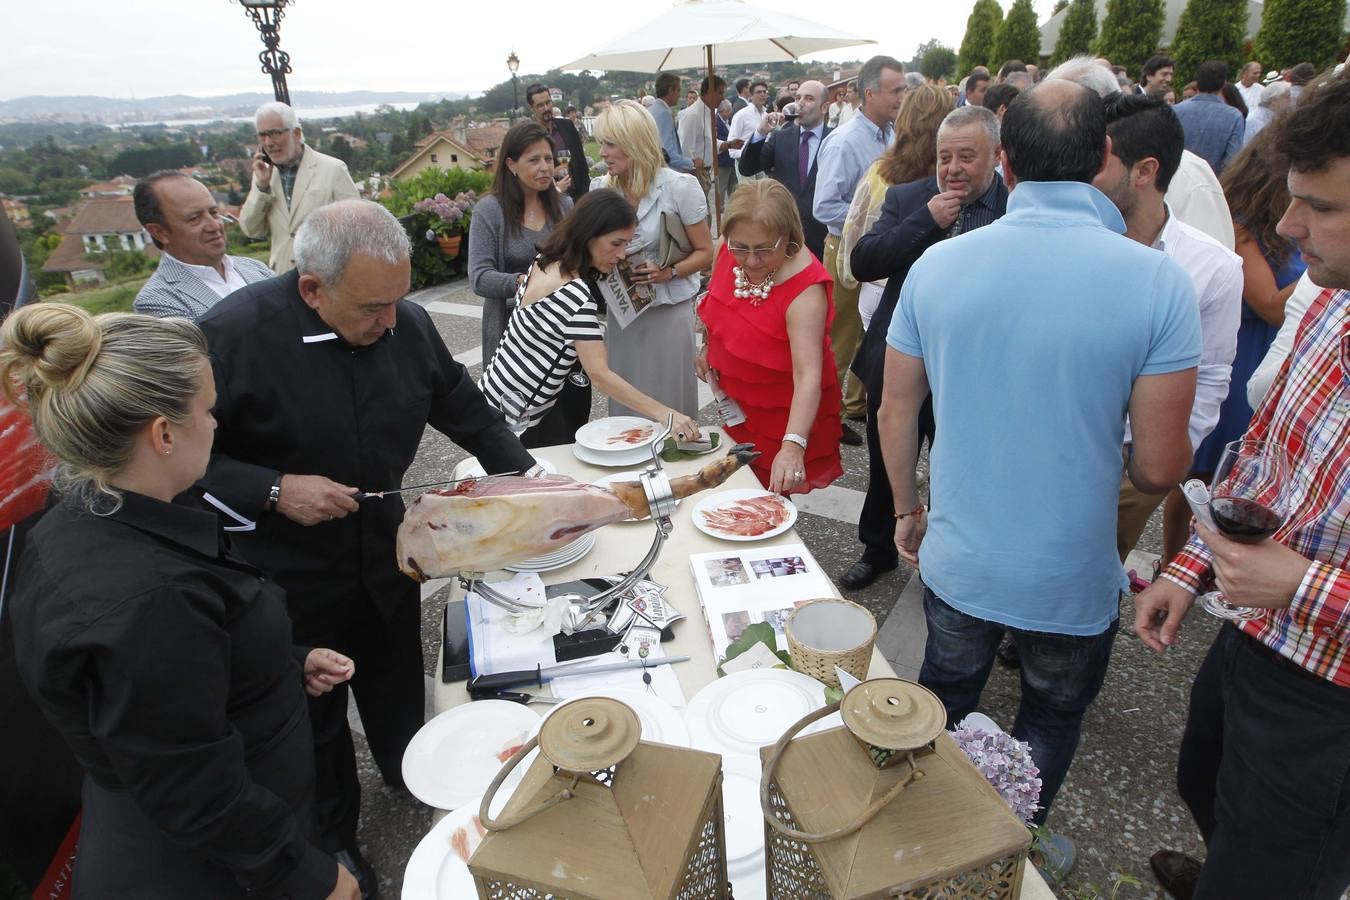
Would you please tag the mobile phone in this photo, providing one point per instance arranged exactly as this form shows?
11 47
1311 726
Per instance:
267 159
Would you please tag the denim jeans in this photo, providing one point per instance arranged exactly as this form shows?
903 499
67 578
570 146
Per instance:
1265 770
1061 675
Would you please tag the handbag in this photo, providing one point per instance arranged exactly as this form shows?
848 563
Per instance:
675 243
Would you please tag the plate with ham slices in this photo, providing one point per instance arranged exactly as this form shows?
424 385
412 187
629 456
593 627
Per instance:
744 514
616 434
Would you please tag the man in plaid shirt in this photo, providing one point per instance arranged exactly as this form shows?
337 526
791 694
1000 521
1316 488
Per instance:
1265 757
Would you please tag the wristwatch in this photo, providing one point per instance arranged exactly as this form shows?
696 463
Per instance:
673 274
796 439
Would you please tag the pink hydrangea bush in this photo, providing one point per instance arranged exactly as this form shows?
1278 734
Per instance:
1006 763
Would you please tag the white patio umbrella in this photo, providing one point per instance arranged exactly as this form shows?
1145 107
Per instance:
705 33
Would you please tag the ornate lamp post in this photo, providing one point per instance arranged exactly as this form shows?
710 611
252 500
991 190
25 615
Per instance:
513 63
267 16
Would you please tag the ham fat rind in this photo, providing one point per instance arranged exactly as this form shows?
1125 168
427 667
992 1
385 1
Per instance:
484 524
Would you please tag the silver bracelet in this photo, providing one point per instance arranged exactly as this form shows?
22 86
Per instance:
796 439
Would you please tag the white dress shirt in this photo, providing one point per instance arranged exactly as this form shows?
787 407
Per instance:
1195 197
744 124
223 287
1251 95
695 131
1216 274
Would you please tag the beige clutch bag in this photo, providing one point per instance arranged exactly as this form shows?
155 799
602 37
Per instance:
675 244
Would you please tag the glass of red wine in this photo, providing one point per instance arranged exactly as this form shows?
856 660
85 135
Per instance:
1248 500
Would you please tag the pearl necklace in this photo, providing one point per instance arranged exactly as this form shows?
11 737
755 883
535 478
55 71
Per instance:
747 289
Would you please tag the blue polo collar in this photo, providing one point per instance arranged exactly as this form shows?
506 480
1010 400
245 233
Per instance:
1063 203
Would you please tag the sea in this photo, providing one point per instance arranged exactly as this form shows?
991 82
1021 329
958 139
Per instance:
305 113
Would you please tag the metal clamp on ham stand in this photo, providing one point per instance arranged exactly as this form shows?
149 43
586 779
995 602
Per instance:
591 612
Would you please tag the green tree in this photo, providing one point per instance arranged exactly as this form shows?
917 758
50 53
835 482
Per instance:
1209 29
340 148
1076 31
978 43
1295 31
937 61
1019 38
1130 33
14 181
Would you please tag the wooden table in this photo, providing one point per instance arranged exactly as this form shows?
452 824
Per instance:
621 546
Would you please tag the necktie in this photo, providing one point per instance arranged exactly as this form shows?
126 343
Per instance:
804 159
958 226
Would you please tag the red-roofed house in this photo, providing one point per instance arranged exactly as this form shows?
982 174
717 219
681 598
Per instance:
114 188
105 224
438 150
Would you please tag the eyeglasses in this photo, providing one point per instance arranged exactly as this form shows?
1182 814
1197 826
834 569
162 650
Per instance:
272 133
744 253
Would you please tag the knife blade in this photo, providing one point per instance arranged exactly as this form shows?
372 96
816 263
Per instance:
539 674
380 495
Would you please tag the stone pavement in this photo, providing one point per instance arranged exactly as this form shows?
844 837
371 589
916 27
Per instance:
1118 804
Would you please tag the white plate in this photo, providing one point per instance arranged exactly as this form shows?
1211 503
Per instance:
472 468
607 435
435 870
744 824
623 458
454 757
564 556
660 721
607 480
751 709
727 498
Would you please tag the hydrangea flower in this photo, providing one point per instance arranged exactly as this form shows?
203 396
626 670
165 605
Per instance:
452 213
1006 763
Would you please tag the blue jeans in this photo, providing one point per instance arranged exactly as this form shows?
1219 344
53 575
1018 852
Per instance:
1061 675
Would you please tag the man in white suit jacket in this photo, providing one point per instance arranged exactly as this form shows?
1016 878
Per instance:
290 181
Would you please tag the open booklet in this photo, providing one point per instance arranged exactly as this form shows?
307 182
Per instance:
626 298
738 588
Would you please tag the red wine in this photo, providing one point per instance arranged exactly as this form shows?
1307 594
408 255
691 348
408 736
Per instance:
1244 520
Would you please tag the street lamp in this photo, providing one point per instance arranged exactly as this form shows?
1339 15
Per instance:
513 63
267 16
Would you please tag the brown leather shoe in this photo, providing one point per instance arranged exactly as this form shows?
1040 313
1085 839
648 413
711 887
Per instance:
1176 872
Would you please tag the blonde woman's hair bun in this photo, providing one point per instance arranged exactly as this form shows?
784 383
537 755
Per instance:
47 346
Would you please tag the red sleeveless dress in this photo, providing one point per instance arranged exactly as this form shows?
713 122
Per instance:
748 346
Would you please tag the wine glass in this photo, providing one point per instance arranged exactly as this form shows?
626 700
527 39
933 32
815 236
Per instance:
512 405
1248 500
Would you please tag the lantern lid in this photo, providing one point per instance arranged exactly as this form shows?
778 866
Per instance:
589 735
893 714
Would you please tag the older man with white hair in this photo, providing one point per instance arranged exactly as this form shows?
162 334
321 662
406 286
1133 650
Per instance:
320 397
290 181
1195 196
1276 97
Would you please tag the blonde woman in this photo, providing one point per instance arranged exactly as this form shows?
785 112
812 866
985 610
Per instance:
164 660
653 351
909 158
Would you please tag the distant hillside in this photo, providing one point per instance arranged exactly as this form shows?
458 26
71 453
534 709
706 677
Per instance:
187 106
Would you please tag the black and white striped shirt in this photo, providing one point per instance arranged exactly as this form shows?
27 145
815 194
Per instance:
537 352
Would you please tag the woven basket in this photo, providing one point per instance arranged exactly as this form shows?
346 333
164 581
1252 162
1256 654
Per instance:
848 644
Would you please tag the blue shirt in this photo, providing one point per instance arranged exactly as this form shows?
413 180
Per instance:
1213 129
842 160
1032 331
665 126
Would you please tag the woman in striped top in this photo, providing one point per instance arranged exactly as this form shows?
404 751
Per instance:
553 349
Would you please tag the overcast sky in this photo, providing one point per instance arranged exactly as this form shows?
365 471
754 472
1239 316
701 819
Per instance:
147 48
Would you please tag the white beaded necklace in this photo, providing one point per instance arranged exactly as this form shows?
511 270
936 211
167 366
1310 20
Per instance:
748 290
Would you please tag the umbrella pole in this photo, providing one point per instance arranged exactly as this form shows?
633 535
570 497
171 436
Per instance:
717 195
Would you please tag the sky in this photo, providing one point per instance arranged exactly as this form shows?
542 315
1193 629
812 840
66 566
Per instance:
146 48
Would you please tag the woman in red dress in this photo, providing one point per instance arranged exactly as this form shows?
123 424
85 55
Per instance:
767 316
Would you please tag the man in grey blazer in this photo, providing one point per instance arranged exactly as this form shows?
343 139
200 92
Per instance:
290 181
194 270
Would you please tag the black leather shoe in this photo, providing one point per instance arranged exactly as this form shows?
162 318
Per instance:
1008 654
360 867
850 437
1176 872
864 572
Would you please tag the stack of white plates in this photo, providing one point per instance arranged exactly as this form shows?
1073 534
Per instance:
615 441
563 556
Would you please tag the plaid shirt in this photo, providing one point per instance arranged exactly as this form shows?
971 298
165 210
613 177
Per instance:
1307 410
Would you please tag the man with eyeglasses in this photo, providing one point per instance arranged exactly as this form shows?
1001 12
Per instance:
290 181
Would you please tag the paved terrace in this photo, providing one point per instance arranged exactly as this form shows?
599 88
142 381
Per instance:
1119 803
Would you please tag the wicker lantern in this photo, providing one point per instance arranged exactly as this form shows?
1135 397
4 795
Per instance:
601 814
887 806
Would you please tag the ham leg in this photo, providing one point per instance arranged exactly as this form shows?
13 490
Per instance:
486 523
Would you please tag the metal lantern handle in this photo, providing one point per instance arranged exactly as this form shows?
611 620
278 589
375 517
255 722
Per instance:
503 824
868 814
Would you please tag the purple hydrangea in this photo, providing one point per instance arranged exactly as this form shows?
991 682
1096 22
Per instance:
1006 763
452 213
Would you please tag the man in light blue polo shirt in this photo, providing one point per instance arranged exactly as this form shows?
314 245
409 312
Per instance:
1037 334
